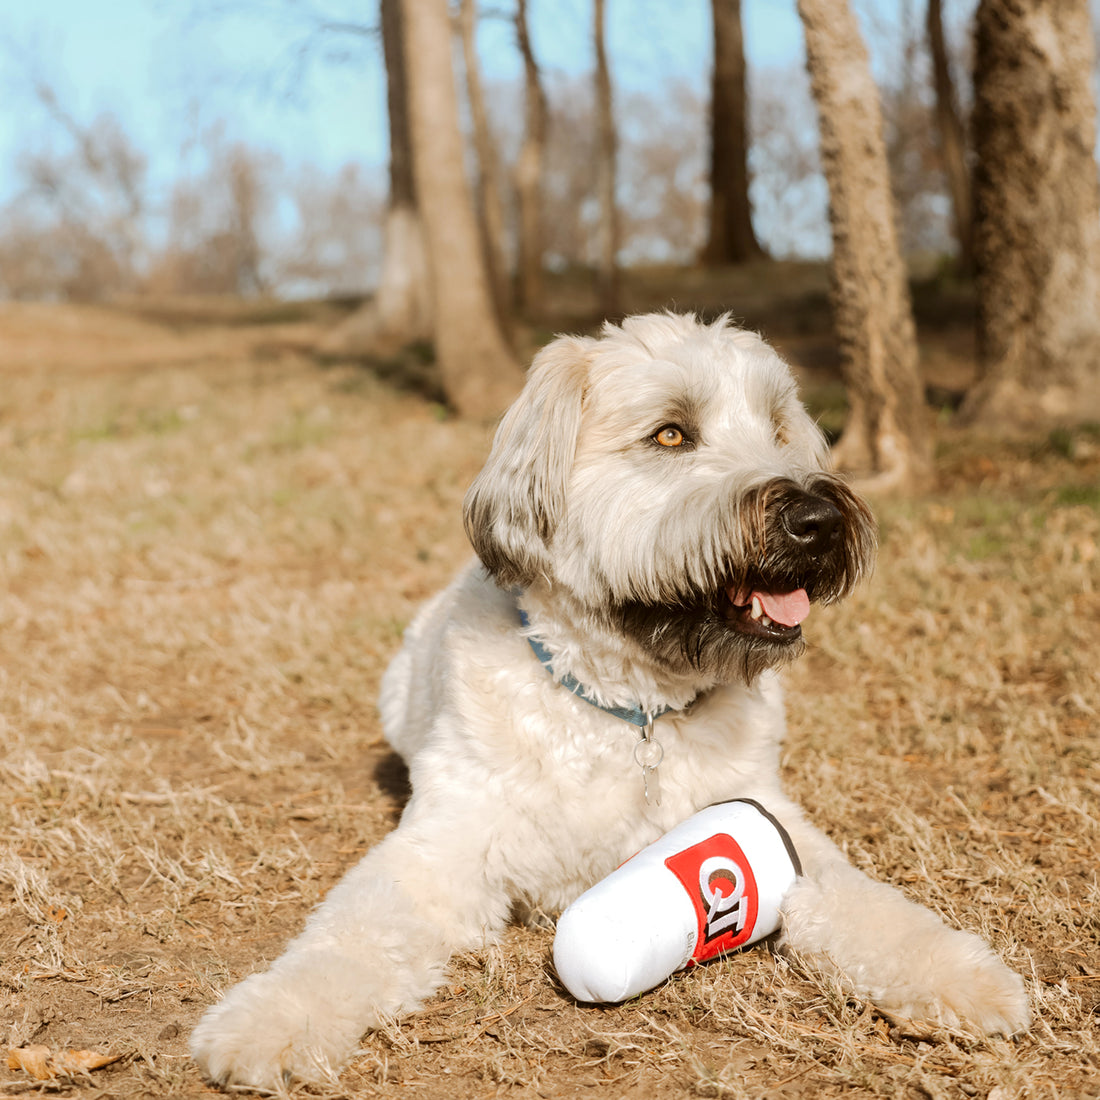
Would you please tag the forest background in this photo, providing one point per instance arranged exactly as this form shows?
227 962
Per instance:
296 92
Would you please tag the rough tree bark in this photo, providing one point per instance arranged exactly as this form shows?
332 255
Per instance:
528 173
607 266
730 237
489 201
1037 215
952 136
478 372
885 438
400 312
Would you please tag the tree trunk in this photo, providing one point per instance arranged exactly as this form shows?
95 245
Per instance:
245 191
1037 215
477 369
885 438
490 204
400 312
952 137
528 173
607 267
730 238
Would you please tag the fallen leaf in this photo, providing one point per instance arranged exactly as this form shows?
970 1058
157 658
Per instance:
34 1060
83 1061
42 1065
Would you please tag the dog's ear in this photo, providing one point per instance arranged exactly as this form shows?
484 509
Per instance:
515 503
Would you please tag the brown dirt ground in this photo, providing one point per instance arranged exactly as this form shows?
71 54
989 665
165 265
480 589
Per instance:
209 544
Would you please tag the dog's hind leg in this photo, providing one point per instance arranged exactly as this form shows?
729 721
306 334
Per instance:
394 702
897 954
375 948
411 689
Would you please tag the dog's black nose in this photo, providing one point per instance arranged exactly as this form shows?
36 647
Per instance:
812 523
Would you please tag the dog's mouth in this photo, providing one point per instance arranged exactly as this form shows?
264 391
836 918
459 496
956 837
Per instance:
771 615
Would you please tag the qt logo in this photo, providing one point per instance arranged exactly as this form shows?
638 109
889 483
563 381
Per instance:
722 888
718 879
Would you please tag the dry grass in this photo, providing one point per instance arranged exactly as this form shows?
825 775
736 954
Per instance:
208 548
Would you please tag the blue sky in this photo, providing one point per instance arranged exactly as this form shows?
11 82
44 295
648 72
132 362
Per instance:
165 66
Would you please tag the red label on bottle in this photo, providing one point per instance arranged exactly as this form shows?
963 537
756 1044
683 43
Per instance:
722 887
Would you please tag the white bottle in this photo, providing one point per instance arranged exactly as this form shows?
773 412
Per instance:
712 884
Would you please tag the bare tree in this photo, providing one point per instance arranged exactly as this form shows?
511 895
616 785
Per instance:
400 312
332 246
478 372
529 173
885 437
730 238
951 134
219 236
248 197
607 269
488 198
90 190
792 210
569 175
1037 214
662 191
897 35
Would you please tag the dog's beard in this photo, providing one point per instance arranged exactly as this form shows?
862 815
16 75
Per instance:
700 638
722 633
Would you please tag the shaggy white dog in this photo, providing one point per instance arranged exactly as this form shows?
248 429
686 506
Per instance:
653 522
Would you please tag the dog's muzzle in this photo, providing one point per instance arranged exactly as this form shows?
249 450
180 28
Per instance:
791 545
808 529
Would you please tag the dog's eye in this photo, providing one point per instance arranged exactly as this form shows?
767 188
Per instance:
670 436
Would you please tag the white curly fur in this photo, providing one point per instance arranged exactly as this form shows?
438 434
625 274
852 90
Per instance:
523 793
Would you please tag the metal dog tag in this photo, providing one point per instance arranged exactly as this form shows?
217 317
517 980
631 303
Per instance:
648 755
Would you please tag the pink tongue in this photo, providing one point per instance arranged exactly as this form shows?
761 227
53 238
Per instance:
787 608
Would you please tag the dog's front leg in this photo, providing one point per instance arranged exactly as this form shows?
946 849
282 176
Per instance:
377 946
897 954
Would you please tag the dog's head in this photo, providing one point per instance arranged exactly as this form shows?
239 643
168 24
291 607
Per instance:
667 477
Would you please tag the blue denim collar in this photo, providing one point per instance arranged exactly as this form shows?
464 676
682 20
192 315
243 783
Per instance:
634 715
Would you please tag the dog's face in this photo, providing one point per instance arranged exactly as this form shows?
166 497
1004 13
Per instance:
667 478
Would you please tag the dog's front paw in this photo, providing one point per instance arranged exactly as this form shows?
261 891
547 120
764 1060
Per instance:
964 984
265 1033
900 956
